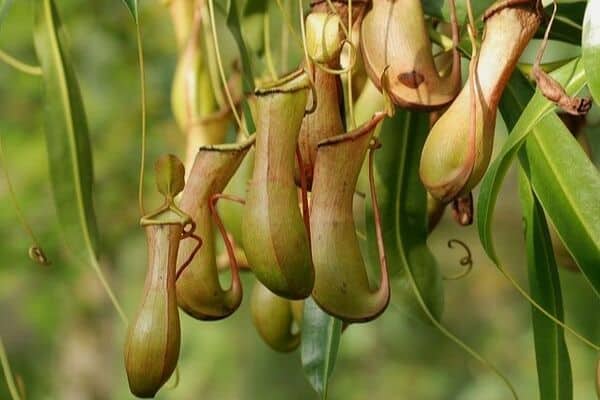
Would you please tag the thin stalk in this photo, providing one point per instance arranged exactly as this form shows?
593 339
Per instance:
349 79
267 40
522 291
140 51
307 61
236 115
19 65
10 380
107 288
288 21
211 58
454 338
13 197
285 47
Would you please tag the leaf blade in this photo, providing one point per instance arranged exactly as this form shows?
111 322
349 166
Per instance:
572 77
67 137
319 345
552 355
565 181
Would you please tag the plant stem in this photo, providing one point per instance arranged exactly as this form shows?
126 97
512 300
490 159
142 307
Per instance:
13 198
34 70
140 51
10 380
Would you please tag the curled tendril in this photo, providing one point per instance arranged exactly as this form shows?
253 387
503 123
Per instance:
37 255
466 261
313 91
353 57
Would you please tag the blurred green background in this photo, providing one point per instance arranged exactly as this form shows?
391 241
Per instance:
65 341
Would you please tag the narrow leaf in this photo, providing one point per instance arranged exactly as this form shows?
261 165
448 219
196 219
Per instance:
565 181
68 143
572 77
590 46
132 6
320 342
552 355
403 204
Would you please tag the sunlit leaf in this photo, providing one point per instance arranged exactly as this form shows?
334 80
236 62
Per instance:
590 43
319 346
552 355
403 204
67 138
572 77
565 181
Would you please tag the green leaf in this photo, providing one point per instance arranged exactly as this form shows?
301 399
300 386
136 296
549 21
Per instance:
552 355
235 26
572 77
590 44
565 181
132 6
68 143
319 346
403 205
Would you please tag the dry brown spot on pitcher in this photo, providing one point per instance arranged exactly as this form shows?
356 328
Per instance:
411 79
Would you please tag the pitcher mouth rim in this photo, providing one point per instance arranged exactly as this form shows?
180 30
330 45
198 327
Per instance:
355 134
295 81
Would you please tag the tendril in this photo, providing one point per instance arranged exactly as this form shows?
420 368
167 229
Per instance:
267 44
36 253
307 60
341 71
10 380
236 115
466 261
34 70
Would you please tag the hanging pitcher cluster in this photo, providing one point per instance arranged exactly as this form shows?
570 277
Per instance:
296 177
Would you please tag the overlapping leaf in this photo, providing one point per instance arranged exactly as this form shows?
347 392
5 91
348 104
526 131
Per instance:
553 363
565 181
572 77
555 378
